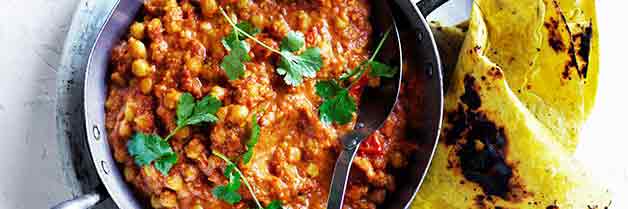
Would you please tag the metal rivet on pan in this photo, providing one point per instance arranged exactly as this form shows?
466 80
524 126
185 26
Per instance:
96 132
105 167
419 36
429 69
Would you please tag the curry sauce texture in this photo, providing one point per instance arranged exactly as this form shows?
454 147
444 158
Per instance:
175 48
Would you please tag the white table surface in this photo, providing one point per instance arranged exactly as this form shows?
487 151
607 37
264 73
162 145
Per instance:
31 38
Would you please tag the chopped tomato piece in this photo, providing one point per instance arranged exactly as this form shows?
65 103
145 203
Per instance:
372 145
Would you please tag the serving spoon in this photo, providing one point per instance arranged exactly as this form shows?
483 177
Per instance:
376 103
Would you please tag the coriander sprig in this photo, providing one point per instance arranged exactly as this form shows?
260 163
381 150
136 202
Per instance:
190 112
292 67
235 168
229 193
378 69
255 131
149 148
338 106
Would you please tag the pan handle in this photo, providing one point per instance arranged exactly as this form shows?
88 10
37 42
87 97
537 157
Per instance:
84 201
428 6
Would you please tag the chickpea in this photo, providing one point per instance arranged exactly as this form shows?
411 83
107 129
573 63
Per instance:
238 113
137 49
205 26
218 92
141 68
124 129
129 173
171 99
194 65
258 21
117 79
280 27
168 199
129 111
194 149
143 122
169 4
137 30
182 133
222 113
146 85
304 20
149 171
154 201
197 206
312 170
154 28
174 26
294 154
189 173
174 182
341 23
159 49
243 4
209 7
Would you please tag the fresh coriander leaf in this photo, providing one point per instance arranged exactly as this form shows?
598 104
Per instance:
185 107
293 41
294 67
244 26
204 111
339 108
165 163
379 69
233 177
275 204
146 149
233 63
355 71
229 192
327 89
231 197
255 131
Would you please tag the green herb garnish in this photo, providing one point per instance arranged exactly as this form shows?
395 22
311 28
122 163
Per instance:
378 69
190 112
293 41
275 204
255 130
292 67
338 106
233 168
233 63
229 192
148 148
231 172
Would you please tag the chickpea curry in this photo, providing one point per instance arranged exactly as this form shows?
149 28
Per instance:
241 103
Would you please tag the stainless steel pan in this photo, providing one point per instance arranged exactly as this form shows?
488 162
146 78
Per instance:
411 23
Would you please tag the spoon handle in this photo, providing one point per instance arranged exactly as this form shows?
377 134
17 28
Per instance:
341 170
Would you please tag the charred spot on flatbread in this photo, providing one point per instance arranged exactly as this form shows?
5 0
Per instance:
582 42
552 207
471 97
554 38
481 154
481 148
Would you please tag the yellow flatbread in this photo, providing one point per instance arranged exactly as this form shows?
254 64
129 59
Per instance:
582 20
494 151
